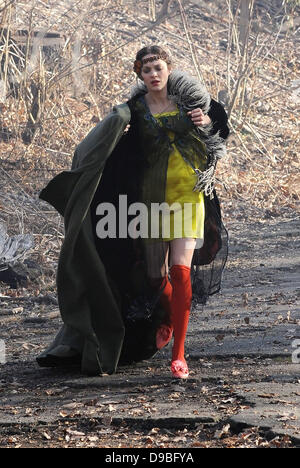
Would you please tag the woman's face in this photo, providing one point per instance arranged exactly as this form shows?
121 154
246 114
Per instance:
155 74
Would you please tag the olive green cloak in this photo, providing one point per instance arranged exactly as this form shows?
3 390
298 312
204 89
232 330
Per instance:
96 337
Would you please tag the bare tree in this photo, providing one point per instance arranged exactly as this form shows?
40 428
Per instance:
165 9
239 40
244 23
152 10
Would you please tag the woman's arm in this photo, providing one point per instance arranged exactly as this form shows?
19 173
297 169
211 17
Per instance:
215 116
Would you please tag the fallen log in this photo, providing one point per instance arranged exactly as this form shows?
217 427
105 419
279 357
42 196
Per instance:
13 251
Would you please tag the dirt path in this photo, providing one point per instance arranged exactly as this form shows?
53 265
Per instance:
243 390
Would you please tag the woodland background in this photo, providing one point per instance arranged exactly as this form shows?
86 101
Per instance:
64 64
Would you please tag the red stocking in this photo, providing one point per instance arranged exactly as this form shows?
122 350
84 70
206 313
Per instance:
181 305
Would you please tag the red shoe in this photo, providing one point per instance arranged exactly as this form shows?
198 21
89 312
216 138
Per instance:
179 369
163 336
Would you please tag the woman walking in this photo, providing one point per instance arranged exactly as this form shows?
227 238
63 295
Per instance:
123 297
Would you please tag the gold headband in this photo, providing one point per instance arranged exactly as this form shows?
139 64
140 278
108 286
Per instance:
137 67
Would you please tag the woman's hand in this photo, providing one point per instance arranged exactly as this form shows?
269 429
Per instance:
198 118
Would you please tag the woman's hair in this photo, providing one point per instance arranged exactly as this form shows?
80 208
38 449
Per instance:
155 50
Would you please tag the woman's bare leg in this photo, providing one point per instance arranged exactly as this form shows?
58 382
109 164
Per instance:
182 251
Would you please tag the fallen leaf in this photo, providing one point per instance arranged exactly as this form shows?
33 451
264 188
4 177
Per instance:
245 298
219 337
267 395
11 440
229 400
179 439
219 434
72 405
154 430
197 444
74 433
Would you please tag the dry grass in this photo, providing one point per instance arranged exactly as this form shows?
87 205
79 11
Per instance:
258 179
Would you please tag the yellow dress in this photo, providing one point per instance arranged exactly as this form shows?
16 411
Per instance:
187 218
